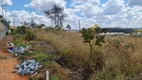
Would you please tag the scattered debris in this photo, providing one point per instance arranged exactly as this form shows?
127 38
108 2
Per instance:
27 67
17 50
10 46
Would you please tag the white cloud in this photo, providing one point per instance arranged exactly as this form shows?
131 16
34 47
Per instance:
128 17
112 7
26 5
88 9
94 2
21 16
72 19
42 5
113 13
8 2
135 2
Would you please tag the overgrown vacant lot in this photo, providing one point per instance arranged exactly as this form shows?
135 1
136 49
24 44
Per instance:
119 58
109 62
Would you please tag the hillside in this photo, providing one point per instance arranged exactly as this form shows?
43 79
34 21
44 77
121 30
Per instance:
117 58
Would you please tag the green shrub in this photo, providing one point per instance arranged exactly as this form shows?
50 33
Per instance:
48 64
13 31
89 35
54 77
39 56
30 36
49 29
23 56
19 40
21 30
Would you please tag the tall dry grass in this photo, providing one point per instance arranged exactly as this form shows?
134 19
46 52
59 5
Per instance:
68 45
108 62
120 63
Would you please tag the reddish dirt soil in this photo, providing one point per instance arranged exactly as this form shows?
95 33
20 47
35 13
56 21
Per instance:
4 41
8 62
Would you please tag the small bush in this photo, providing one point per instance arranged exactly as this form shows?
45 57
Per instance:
13 31
39 56
24 56
49 29
21 30
54 77
30 36
19 40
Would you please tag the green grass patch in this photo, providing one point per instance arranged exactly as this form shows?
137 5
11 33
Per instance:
54 77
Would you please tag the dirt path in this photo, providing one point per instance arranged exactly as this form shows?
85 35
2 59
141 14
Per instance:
7 65
4 41
8 62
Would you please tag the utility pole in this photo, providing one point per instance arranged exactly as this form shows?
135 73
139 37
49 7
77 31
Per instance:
79 25
5 11
14 22
2 8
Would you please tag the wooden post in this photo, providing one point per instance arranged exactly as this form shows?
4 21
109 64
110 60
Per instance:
47 75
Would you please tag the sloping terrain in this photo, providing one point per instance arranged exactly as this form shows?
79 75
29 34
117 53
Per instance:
8 62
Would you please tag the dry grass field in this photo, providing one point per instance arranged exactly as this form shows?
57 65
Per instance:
109 63
119 58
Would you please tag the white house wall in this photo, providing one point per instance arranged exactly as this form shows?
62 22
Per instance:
2 30
2 34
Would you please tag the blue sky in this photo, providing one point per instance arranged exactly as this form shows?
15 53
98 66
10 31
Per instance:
19 5
106 13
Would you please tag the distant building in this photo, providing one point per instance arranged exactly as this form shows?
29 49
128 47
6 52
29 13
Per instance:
114 34
137 34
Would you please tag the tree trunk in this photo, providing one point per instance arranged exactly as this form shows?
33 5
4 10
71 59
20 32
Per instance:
90 53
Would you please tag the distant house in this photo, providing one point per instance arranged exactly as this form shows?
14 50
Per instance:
2 29
137 34
114 34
